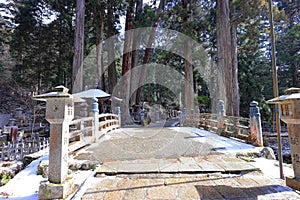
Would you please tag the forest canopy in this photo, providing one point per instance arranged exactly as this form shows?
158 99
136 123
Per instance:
88 43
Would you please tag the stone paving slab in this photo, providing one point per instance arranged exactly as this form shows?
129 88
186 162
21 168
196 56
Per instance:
168 165
208 166
188 164
182 164
236 166
187 186
142 143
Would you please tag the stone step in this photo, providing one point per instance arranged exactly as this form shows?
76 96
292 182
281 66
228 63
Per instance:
205 164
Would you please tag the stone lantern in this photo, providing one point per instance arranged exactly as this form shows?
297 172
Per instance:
59 113
289 105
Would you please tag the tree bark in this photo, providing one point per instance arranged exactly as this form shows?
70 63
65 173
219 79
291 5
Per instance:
188 68
135 53
126 63
112 72
139 94
224 51
235 84
77 75
295 79
99 30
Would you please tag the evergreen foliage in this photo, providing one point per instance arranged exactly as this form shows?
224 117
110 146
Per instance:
39 35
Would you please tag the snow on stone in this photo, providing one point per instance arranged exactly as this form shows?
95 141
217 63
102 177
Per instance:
25 184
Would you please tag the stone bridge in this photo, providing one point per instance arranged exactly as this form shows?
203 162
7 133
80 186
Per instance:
152 149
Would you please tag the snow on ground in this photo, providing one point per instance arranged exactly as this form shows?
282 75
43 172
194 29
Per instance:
270 168
25 184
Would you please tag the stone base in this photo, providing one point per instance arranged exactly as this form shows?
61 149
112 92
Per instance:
293 183
49 190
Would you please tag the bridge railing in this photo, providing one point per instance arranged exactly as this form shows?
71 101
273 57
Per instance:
84 131
246 129
81 132
237 125
108 122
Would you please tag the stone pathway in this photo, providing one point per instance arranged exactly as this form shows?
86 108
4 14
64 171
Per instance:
210 163
175 163
146 143
185 186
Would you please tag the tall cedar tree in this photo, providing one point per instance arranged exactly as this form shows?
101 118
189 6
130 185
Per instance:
224 52
188 68
126 63
146 59
77 76
112 73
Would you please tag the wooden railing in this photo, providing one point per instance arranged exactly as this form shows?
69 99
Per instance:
84 131
81 132
229 126
108 122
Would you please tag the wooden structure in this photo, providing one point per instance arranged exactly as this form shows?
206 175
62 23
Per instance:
229 126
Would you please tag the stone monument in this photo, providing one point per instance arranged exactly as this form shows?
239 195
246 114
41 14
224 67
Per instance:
289 105
59 113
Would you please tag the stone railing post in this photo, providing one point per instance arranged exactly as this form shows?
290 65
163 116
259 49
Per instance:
156 113
118 112
183 117
83 109
255 124
95 114
220 117
59 113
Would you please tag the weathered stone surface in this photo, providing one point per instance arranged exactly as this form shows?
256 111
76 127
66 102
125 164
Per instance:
188 192
236 166
87 165
43 168
161 193
169 165
49 190
255 153
207 192
31 157
115 195
229 188
208 166
93 195
268 153
188 186
138 193
293 183
188 164
75 165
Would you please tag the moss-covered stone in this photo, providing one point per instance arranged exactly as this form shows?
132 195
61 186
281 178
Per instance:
43 168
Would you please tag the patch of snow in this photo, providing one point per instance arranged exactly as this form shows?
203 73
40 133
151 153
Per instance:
25 184
270 168
223 144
